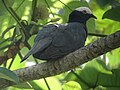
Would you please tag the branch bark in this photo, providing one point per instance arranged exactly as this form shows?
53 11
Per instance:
51 68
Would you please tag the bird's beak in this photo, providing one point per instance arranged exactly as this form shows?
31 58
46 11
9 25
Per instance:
93 16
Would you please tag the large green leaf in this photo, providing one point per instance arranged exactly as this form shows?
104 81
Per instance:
95 73
113 14
9 75
102 3
88 76
53 83
2 7
91 71
110 80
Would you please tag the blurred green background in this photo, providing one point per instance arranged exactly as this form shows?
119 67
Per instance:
20 20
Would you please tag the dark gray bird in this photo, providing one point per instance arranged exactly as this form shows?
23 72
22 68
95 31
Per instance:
55 41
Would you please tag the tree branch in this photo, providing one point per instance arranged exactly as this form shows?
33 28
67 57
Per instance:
51 68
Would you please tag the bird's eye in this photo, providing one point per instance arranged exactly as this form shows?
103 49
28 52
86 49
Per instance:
84 11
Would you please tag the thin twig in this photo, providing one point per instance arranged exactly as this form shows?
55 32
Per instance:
19 5
16 17
20 55
47 84
11 63
98 35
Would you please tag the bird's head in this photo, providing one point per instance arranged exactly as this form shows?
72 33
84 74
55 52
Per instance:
81 14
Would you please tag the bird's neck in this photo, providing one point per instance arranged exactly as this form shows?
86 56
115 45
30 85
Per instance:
78 17
73 20
78 20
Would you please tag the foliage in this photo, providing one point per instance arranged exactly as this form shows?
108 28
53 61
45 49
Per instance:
9 75
21 20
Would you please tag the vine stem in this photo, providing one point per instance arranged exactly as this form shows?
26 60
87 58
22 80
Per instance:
14 15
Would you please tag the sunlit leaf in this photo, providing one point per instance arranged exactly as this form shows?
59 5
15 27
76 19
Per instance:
71 85
53 83
114 59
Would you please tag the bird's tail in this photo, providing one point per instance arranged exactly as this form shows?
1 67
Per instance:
37 47
26 56
32 51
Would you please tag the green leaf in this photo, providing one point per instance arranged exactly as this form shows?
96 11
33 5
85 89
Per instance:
113 14
114 58
91 25
2 7
9 75
88 76
35 85
109 80
3 43
40 84
103 3
91 71
9 3
23 86
71 85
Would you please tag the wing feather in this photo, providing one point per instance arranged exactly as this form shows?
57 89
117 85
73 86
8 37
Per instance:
39 46
42 40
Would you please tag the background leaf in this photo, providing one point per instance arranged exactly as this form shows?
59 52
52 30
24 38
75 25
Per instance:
103 3
9 75
108 80
2 7
113 14
71 85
